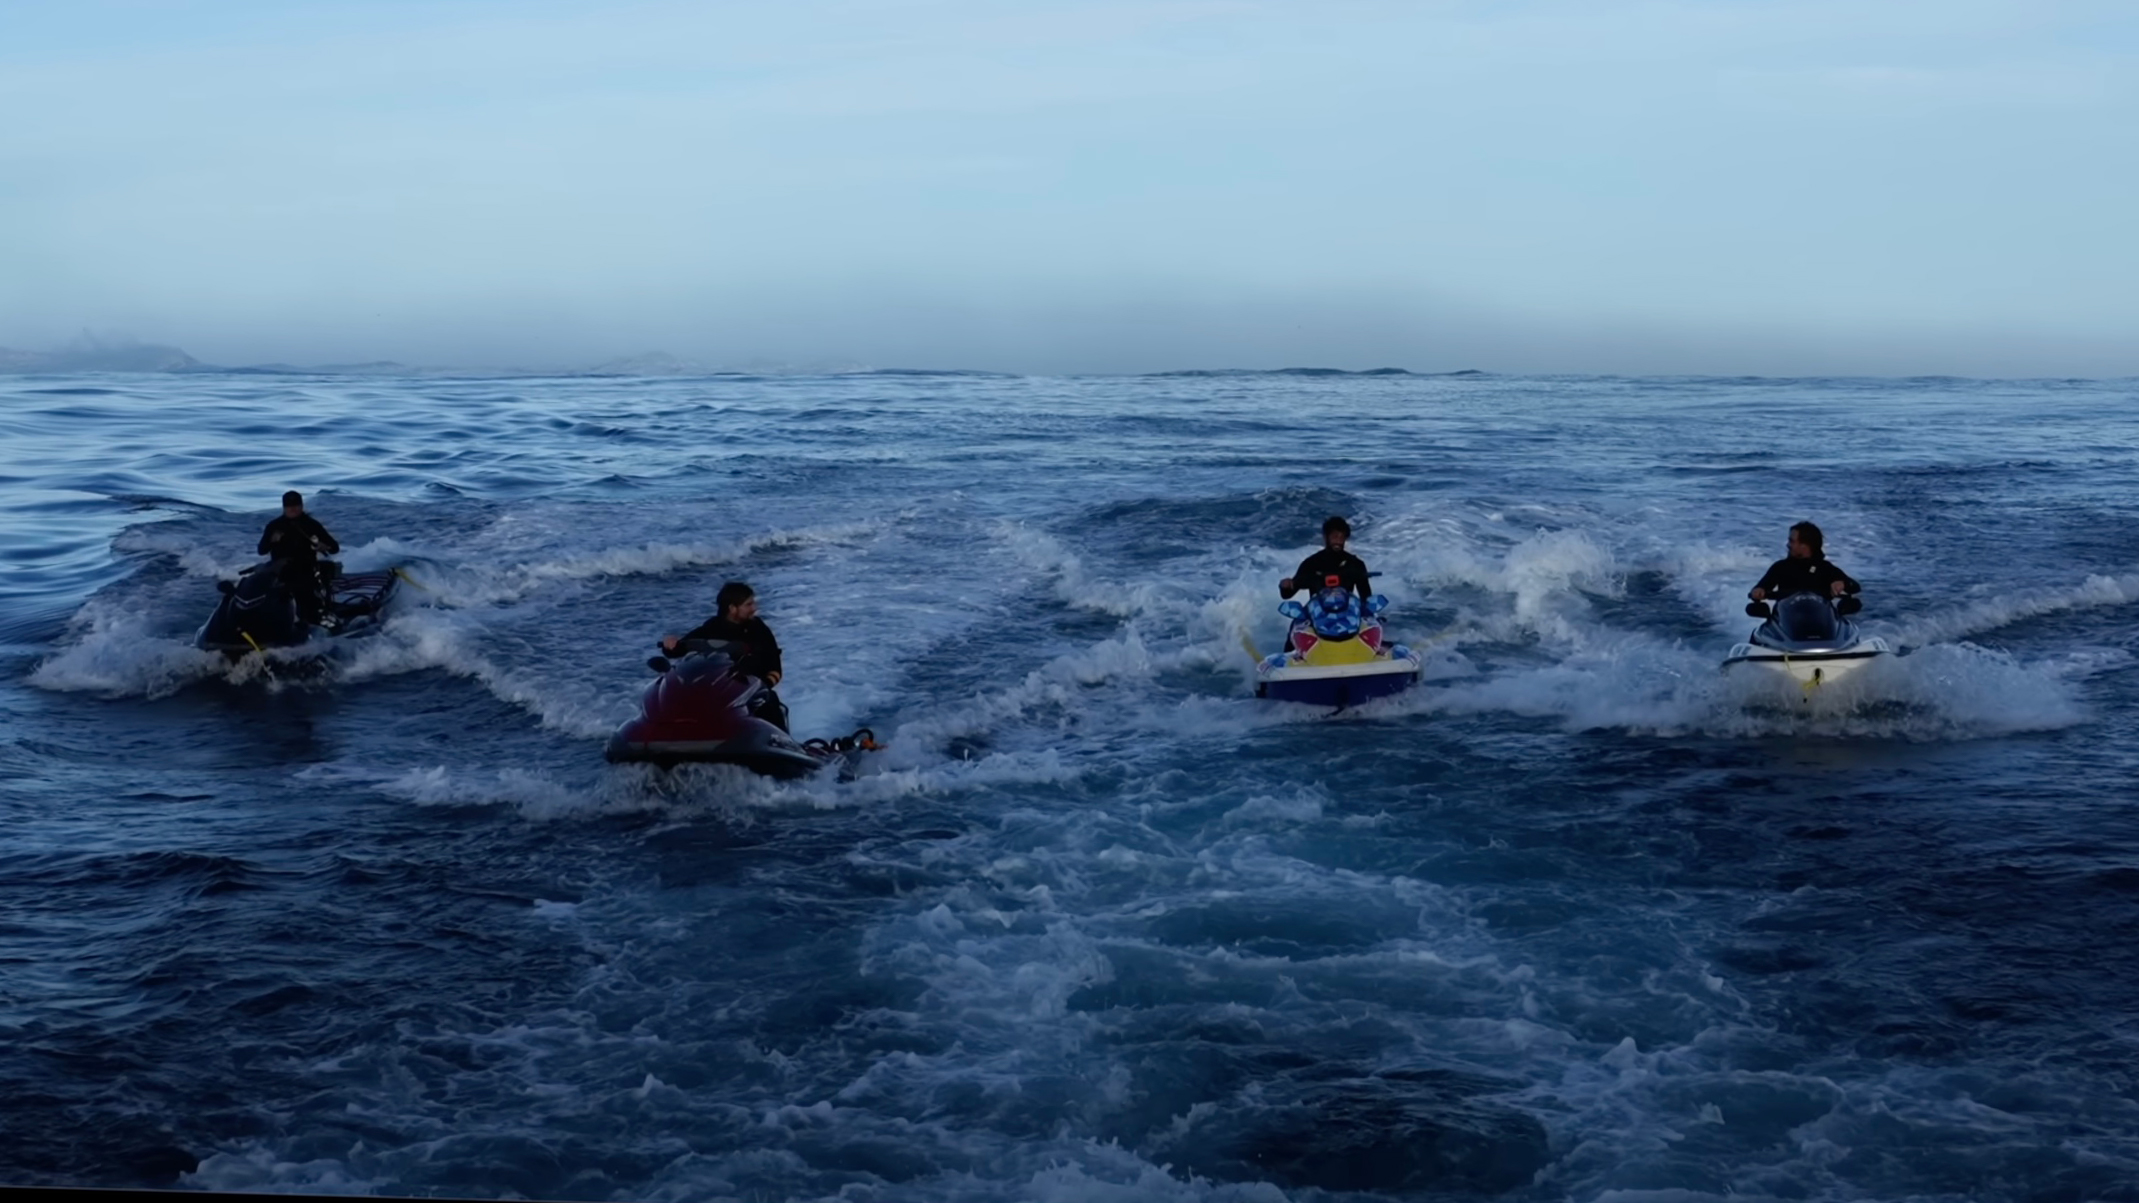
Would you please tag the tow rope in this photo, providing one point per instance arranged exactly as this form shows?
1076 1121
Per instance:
1818 678
863 740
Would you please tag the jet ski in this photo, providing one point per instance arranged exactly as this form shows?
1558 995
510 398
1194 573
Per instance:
259 611
700 710
1336 653
1808 639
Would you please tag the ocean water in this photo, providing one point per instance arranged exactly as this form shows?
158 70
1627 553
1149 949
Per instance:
1579 918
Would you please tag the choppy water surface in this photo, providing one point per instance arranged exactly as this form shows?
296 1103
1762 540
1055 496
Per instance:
1578 919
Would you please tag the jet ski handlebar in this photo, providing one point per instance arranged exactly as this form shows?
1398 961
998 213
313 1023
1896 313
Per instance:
1844 605
704 646
686 647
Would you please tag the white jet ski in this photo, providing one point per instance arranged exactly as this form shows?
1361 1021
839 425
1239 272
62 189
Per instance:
1806 639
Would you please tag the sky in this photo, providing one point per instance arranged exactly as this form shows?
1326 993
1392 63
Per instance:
1781 187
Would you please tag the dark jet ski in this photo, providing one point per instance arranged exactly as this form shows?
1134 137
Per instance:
1808 639
700 710
258 611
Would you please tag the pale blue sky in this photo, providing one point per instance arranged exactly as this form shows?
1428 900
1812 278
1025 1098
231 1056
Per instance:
1774 186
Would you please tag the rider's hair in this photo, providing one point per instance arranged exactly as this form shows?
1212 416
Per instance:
1810 536
734 593
1336 522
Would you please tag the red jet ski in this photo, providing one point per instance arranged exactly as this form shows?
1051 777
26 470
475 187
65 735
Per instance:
700 710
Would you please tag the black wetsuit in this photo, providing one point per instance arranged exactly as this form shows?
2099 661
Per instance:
288 538
1795 575
755 653
1350 571
295 544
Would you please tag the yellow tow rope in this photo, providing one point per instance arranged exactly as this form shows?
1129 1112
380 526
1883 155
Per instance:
1818 677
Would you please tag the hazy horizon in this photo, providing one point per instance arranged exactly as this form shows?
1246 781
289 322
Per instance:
1778 188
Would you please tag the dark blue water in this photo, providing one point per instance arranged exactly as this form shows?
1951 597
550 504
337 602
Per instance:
1580 918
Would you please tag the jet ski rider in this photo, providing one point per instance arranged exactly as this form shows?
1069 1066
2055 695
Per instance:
1805 570
293 543
750 643
1331 565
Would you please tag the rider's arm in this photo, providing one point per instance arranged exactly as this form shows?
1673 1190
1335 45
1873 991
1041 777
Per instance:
1293 583
1759 592
269 537
326 541
705 630
1300 579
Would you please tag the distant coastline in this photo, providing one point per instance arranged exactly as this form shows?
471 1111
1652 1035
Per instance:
90 355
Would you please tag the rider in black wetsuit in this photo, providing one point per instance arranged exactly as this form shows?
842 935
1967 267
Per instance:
1332 561
294 542
1805 570
751 645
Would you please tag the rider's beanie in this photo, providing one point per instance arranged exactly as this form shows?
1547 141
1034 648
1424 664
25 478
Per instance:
1336 522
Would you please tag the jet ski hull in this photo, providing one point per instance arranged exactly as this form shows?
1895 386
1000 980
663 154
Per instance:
1807 668
1336 685
258 612
699 711
634 744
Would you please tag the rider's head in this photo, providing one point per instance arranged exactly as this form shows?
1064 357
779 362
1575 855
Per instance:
293 504
1335 530
1806 542
737 602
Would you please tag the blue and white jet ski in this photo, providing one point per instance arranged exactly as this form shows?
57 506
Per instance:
1806 639
1336 654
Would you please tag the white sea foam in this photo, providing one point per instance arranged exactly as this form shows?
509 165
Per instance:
220 559
458 642
531 793
497 579
253 1166
1073 585
1989 614
114 650
1058 685
1949 691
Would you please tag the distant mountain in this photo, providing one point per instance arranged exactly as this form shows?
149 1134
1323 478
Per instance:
651 363
91 354
376 367
661 363
96 355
